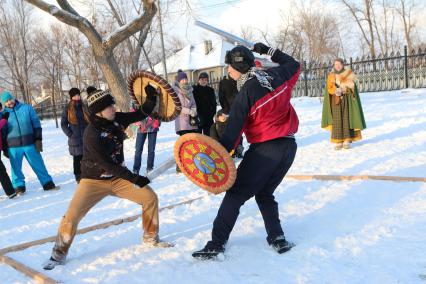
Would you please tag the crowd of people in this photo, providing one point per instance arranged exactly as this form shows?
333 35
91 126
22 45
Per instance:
254 101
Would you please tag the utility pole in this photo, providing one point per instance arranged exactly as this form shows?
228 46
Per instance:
162 41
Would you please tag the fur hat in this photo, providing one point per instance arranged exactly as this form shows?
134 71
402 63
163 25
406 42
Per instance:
5 96
181 75
99 100
74 92
240 58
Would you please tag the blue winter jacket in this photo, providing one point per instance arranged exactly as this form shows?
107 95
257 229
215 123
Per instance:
23 126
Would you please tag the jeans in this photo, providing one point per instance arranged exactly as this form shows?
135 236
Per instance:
140 141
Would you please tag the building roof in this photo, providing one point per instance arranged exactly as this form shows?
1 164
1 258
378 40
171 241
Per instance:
193 57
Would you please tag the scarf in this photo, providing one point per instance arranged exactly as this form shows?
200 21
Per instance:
186 90
261 76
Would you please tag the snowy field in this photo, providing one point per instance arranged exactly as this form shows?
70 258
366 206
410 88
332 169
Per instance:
346 232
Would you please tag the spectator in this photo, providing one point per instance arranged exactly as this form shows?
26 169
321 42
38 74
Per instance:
4 177
147 128
342 111
23 136
73 123
186 121
205 100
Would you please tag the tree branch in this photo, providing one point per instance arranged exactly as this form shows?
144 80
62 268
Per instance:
131 28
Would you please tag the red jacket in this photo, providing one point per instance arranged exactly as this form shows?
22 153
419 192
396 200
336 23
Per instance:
261 114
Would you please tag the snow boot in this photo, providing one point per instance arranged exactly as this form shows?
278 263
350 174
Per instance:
210 251
50 186
156 242
52 263
346 145
13 195
281 245
20 190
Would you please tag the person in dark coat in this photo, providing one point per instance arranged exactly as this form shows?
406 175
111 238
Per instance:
205 100
73 123
262 111
103 173
227 92
4 176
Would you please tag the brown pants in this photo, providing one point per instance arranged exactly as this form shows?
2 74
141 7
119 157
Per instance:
91 191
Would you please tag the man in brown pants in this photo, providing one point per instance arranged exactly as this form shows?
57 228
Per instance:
103 173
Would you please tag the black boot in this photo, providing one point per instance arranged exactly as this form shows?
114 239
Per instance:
210 251
281 245
49 186
20 190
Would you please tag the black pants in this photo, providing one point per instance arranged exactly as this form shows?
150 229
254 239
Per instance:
262 169
77 166
5 180
205 129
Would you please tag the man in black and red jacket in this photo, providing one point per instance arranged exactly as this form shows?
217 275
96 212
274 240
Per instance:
262 111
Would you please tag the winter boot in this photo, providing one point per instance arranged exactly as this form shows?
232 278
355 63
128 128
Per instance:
346 145
13 195
156 242
281 245
50 186
20 190
210 251
338 146
52 263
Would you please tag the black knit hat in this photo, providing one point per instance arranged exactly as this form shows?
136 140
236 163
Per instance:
90 90
99 100
74 92
240 58
203 75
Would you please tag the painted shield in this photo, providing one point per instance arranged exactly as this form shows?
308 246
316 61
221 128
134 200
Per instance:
205 162
168 105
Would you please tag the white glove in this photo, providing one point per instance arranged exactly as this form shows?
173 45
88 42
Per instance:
193 112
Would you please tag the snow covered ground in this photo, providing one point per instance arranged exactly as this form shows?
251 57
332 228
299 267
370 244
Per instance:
346 232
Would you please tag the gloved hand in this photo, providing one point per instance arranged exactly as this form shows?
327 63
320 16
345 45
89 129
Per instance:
261 48
141 181
151 99
38 146
5 115
193 112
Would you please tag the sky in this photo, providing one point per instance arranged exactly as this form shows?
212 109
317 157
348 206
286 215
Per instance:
231 15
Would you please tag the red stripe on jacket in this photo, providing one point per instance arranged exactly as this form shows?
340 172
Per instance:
273 116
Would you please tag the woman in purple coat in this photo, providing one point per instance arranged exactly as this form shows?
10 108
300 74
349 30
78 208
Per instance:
186 121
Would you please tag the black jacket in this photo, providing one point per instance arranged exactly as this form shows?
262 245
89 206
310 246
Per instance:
205 99
217 130
103 147
227 92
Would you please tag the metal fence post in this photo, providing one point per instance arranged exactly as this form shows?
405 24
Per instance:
306 77
406 66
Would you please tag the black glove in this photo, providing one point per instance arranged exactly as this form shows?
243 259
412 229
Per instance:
151 99
38 145
261 48
141 181
5 115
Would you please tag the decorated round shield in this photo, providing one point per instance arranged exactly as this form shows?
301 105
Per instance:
205 162
168 105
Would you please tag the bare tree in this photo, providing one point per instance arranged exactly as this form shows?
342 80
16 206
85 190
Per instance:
103 47
362 13
15 31
405 9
